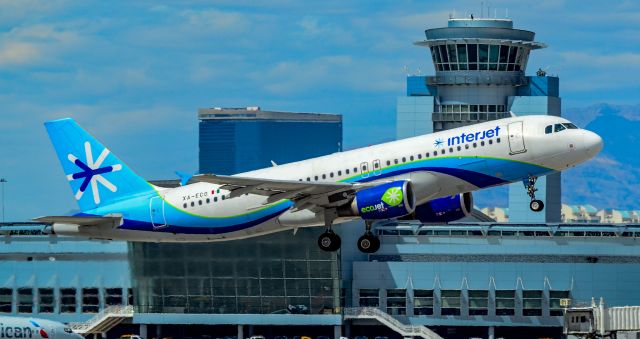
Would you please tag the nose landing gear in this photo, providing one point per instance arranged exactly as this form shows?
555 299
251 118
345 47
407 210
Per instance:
529 184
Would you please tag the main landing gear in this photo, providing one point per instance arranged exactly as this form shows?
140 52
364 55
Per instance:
329 241
529 184
368 243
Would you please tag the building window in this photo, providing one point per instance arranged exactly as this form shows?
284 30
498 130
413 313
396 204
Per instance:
68 300
478 302
554 302
397 302
90 300
532 303
112 296
6 300
369 297
130 296
505 302
450 302
25 300
46 300
422 302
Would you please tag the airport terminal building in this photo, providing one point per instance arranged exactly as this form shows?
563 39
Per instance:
458 280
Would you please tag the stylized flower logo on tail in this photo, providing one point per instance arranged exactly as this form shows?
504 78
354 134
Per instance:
92 172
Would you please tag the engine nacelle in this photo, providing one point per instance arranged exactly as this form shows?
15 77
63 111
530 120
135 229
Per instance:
385 201
445 209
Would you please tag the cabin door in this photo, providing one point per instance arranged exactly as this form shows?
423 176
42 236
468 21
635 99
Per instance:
516 138
156 209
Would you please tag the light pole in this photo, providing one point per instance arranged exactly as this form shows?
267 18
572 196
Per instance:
2 182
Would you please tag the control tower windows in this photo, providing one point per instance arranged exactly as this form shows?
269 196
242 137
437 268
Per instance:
483 56
462 56
494 51
473 56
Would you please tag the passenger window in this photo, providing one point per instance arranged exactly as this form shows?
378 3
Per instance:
451 150
215 199
481 143
316 178
404 159
395 161
442 151
388 162
435 153
419 156
498 140
559 127
209 200
475 145
339 173
411 158
427 155
331 174
375 165
548 129
490 142
355 170
347 171
459 148
184 205
466 146
308 179
193 204
324 176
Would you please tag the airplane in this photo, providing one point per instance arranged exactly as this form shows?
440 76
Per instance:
23 327
429 178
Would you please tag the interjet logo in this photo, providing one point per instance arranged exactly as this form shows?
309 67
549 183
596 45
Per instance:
92 172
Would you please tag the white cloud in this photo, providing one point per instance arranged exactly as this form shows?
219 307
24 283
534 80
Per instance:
37 44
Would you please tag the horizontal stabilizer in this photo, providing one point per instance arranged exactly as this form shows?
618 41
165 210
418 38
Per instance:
82 221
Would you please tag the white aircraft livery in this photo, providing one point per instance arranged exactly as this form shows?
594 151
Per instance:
429 178
19 327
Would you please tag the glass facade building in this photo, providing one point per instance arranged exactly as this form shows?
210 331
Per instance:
273 274
234 140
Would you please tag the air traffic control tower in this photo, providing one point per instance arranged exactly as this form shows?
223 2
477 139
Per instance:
480 76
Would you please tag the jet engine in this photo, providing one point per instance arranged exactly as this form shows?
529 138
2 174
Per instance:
445 209
385 201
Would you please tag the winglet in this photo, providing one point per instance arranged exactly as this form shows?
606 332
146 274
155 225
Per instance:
184 177
513 115
273 163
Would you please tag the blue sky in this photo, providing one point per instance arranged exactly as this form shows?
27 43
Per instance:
135 73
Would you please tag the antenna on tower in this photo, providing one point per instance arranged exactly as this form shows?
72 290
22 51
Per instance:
506 13
481 9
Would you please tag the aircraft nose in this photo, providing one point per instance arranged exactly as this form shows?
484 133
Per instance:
593 143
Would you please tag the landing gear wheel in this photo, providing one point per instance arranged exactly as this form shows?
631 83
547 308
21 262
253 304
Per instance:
536 205
368 243
530 185
329 241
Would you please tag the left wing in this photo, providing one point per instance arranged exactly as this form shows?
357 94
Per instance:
305 195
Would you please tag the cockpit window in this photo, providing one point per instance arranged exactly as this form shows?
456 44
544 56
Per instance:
68 330
570 126
559 127
548 129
